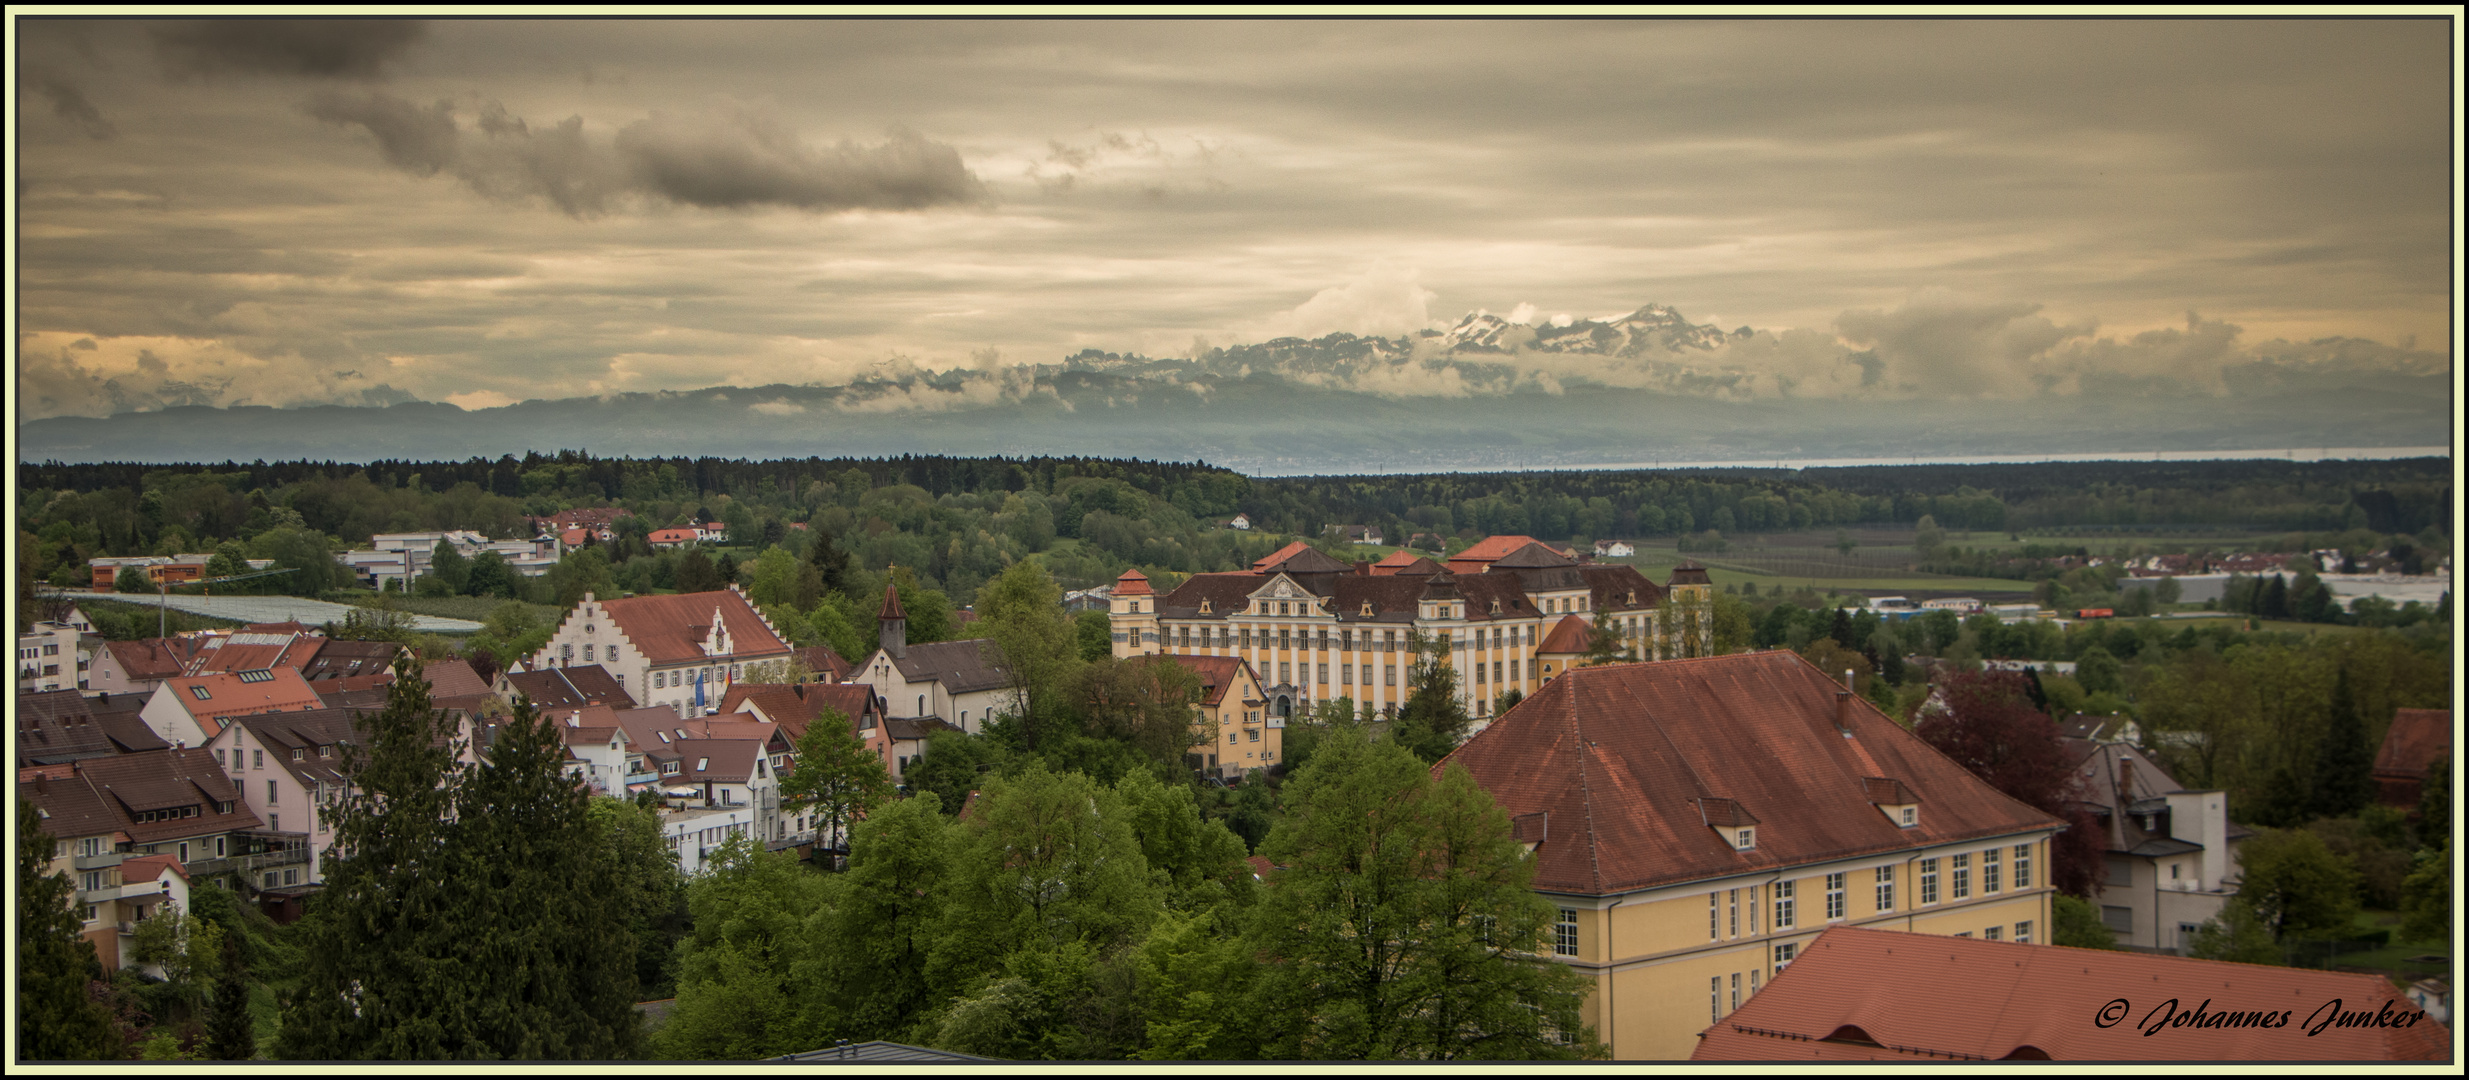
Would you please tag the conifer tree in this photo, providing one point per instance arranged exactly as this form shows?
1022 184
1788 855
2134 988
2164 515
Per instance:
382 978
231 1034
2344 760
546 948
1432 719
58 1018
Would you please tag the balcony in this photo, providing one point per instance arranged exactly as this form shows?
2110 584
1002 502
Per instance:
257 850
114 892
102 861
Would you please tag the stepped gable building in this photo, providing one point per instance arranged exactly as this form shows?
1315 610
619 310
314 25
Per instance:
1698 822
1316 629
1867 995
681 651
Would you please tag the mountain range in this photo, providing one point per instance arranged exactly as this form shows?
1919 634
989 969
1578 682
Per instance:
1487 393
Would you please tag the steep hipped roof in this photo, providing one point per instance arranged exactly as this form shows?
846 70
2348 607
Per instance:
670 629
1132 583
1493 547
1402 561
826 664
568 687
1262 564
1689 573
891 605
719 761
1301 558
795 707
1622 753
250 651
451 679
961 666
351 659
308 732
2416 738
1530 557
1569 637
1917 998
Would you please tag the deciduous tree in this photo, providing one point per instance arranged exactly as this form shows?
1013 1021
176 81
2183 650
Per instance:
836 781
58 1017
1988 726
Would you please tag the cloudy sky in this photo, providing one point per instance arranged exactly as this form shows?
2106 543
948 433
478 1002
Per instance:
488 211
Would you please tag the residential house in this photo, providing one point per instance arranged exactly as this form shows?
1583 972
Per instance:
1316 629
555 688
596 750
287 767
2417 739
1241 521
454 685
2435 996
697 834
50 657
1697 822
247 650
1614 549
682 651
190 710
2172 853
670 538
1356 534
961 682
903 740
137 667
823 665
148 884
1232 730
1870 995
61 726
101 812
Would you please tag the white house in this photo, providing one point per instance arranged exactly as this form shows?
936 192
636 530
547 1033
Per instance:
680 651
1241 521
955 681
696 835
1614 549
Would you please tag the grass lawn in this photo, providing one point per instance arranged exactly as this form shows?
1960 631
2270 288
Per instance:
2393 959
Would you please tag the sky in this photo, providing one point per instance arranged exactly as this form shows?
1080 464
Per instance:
482 212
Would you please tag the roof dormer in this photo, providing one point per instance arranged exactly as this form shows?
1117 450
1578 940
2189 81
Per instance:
1732 821
1894 799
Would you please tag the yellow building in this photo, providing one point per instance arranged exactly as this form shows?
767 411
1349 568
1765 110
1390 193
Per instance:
1699 821
1232 730
1315 629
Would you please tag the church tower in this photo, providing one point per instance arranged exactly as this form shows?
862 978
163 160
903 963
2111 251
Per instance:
892 625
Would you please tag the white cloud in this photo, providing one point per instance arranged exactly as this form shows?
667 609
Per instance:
1385 300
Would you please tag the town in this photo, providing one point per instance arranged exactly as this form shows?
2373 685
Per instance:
1190 751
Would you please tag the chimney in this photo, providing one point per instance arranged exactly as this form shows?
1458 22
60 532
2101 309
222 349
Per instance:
42 783
1843 711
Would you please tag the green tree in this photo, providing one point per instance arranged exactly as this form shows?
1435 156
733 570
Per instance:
448 565
58 1017
231 1033
542 908
2426 897
381 944
1044 861
583 570
695 573
1094 632
188 951
1604 644
832 623
890 912
1021 611
830 561
772 577
749 982
2296 887
1198 863
2344 773
2236 934
1402 925
836 782
953 765
2099 671
2435 802
491 575
1194 977
2078 924
1432 721
929 610
1144 702
308 555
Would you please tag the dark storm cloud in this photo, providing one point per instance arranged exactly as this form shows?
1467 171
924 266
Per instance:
67 101
729 160
323 48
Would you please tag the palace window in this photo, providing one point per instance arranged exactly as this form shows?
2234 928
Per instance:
1928 881
1564 933
1885 888
1834 896
2023 875
1989 871
1963 876
2023 932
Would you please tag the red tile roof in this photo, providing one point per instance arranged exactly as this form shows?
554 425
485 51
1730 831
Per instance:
153 658
1568 637
1132 583
891 604
1218 674
2416 738
794 707
453 679
1620 756
1404 562
672 536
1872 995
277 690
1273 558
670 628
144 868
567 687
106 794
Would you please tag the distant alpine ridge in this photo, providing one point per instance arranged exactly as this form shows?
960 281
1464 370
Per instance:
1488 393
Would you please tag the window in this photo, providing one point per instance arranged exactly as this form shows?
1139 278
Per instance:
2023 873
1745 839
1714 998
1733 906
1388 674
1834 896
270 794
90 881
1963 876
1255 733
274 822
1964 934
1928 881
2023 931
1994 933
1564 933
565 652
291 877
218 757
1345 674
1988 870
2120 919
1753 909
299 753
660 680
1735 990
1752 982
1713 915
1911 816
1784 916
1885 888
587 654
1784 952
201 693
